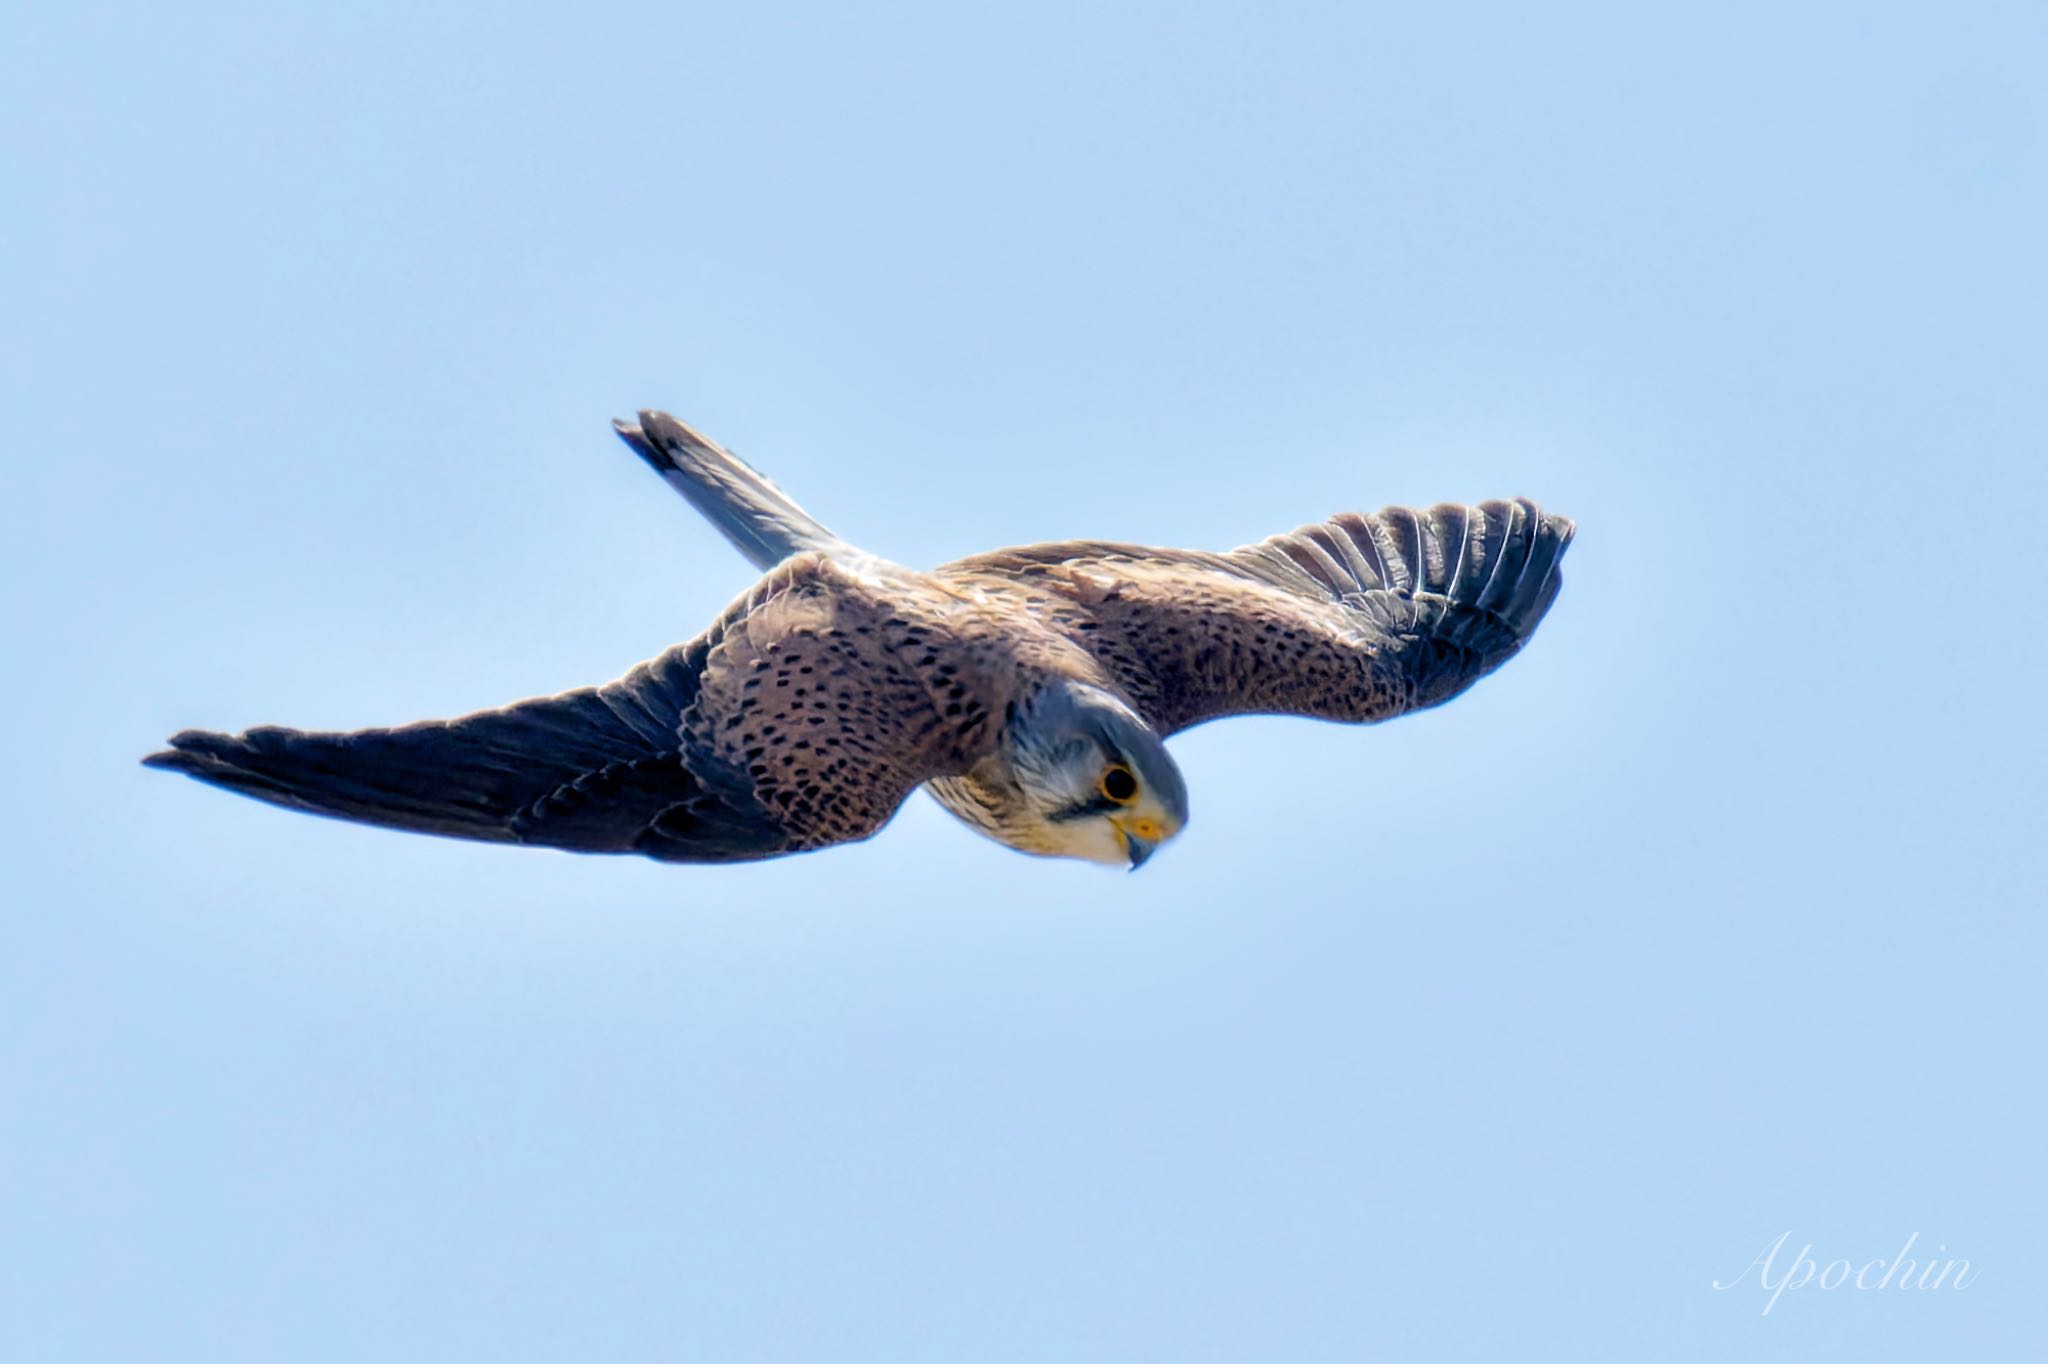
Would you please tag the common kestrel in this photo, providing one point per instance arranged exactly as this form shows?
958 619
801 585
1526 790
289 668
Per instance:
1030 690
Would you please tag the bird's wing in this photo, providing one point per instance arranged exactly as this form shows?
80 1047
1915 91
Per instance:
788 725
1359 618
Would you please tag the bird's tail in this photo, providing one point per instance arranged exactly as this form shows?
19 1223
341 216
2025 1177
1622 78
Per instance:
756 516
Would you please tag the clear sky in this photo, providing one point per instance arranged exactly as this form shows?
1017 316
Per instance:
1500 1032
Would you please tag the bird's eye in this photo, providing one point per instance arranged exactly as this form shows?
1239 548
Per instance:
1118 784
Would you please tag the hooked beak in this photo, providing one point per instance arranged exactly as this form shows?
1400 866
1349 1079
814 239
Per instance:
1138 848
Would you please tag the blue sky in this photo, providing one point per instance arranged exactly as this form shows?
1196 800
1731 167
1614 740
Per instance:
1501 1031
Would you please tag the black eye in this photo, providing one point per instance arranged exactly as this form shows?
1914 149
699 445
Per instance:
1119 785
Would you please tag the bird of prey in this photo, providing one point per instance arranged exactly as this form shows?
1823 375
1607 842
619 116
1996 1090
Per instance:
1030 690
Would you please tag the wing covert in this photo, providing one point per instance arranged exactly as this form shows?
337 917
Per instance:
788 725
1358 618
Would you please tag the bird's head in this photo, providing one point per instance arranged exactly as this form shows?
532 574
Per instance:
1096 780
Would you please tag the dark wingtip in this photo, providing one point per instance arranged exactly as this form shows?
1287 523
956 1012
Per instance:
192 751
1541 578
1559 529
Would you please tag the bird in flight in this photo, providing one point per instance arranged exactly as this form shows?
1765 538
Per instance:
1030 690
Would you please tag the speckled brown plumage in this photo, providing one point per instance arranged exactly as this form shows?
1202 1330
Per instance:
1357 619
840 682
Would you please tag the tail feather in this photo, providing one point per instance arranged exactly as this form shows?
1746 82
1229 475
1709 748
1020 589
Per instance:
749 510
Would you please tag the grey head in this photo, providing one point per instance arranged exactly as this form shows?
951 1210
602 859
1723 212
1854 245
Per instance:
1090 779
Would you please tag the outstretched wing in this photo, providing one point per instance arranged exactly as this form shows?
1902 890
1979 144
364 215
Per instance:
1359 618
788 725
